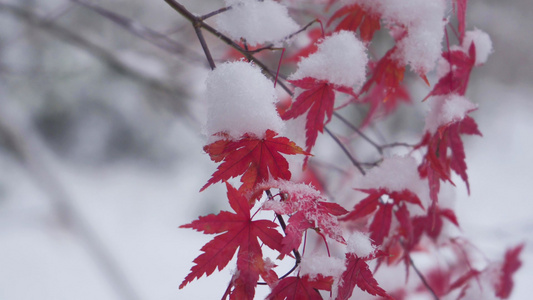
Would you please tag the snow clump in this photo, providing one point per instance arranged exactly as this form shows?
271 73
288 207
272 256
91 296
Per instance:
258 22
360 244
447 109
424 21
240 99
482 43
340 59
394 174
322 264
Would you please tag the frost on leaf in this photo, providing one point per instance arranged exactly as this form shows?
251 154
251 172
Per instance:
258 22
308 209
256 159
236 231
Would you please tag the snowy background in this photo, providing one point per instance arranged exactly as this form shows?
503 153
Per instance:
101 149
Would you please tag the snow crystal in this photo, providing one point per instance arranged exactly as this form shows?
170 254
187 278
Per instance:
240 100
394 174
257 22
482 43
360 244
447 109
340 59
313 265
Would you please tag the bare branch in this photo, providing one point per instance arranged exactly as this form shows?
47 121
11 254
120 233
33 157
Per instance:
115 63
39 162
345 150
145 33
197 21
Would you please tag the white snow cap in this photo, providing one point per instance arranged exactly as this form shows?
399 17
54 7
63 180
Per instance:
482 43
421 48
313 265
341 59
359 243
258 22
394 174
424 20
240 100
446 109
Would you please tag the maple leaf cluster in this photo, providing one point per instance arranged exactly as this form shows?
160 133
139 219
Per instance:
399 214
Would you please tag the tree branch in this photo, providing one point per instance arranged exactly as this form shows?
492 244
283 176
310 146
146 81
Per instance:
197 21
345 150
102 54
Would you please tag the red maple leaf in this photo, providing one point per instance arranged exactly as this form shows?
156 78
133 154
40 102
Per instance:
511 264
306 209
383 101
387 74
437 164
256 159
317 97
456 80
358 274
409 231
432 223
381 223
460 10
354 17
236 230
301 288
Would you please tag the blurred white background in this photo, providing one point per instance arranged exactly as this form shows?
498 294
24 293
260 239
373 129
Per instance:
101 149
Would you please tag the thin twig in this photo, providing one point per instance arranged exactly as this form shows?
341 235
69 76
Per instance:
103 55
397 144
296 253
139 30
422 278
345 150
207 53
216 12
197 20
359 132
